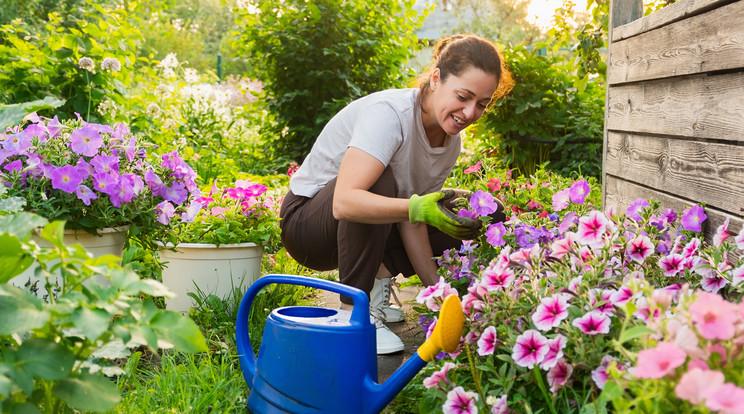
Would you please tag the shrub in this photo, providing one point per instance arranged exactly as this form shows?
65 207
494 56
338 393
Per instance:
550 116
55 356
315 57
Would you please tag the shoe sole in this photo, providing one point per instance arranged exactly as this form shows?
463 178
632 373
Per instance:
390 350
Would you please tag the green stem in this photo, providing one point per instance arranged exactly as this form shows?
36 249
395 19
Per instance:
474 372
87 80
543 389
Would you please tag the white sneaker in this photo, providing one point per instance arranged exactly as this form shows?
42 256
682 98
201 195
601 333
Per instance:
387 341
379 300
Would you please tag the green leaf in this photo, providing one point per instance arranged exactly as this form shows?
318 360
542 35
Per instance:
45 359
88 393
179 330
13 260
54 233
13 114
5 386
19 311
92 322
21 224
611 391
634 332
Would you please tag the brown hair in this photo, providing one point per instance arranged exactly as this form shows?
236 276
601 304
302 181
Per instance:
456 53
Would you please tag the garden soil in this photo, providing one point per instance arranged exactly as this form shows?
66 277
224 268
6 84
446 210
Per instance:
409 330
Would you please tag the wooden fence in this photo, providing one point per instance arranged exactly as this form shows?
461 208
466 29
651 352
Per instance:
674 121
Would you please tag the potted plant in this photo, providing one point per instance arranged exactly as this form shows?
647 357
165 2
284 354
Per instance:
216 245
100 179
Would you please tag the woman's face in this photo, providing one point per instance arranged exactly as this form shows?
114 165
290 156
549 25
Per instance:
461 100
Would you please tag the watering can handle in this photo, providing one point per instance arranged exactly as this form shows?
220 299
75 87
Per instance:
359 315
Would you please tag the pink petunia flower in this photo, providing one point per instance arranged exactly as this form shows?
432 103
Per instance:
714 317
558 375
496 277
591 228
737 275
473 168
530 349
722 233
487 341
600 374
696 385
712 283
460 401
593 323
621 296
561 247
438 376
555 352
693 218
691 248
500 406
561 200
578 191
569 220
739 239
640 248
672 264
433 295
550 312
659 361
726 399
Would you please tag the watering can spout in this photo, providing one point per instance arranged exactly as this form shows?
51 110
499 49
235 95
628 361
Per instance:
446 337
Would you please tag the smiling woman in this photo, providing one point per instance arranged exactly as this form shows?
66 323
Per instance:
382 160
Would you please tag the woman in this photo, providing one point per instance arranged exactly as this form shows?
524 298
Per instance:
367 199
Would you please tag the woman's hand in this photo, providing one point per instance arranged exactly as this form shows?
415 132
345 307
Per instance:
429 209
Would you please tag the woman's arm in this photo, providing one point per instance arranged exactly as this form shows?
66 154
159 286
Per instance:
353 202
418 248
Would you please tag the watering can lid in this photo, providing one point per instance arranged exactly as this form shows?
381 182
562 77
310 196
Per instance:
315 316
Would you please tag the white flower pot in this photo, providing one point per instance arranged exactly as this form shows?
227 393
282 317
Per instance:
108 241
215 270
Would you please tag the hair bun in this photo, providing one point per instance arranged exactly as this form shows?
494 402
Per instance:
443 43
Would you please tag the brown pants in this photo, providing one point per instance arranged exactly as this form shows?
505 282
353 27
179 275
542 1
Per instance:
314 238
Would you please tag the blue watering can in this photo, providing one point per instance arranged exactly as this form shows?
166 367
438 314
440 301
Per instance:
322 360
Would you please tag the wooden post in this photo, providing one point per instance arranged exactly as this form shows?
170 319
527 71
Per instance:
625 11
621 12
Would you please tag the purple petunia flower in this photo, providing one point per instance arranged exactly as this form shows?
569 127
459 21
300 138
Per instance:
164 211
483 203
495 234
634 209
105 164
176 193
578 191
693 218
106 183
66 178
17 144
53 127
154 183
467 213
124 193
85 194
13 166
191 211
86 140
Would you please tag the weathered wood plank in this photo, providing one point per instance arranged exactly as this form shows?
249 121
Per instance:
706 172
697 106
708 42
669 14
625 11
621 193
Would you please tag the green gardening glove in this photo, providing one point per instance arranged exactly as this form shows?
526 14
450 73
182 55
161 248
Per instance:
429 209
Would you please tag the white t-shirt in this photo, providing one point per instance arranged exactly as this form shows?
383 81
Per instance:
386 125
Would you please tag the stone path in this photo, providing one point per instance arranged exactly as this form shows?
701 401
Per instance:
409 330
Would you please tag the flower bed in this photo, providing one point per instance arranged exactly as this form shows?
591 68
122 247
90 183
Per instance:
560 300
